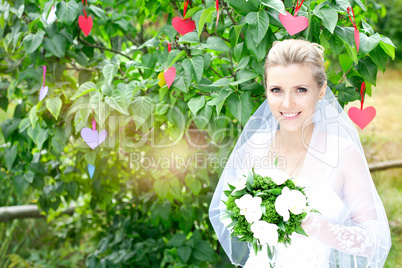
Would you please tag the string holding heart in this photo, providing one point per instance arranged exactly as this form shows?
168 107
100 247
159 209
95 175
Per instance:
356 30
294 24
85 22
44 89
362 117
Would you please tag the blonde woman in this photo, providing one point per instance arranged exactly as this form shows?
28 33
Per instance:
302 124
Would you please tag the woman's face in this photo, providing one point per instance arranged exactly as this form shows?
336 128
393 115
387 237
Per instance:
292 94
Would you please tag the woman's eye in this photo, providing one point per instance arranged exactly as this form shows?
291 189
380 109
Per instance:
301 89
275 90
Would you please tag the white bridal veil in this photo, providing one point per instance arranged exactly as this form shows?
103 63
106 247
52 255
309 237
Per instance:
353 223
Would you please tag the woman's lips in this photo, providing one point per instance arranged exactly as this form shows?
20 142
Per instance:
290 116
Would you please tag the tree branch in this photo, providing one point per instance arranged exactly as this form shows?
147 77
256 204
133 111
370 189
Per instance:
215 72
104 48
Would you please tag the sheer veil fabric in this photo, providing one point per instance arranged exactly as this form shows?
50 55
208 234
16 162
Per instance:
352 228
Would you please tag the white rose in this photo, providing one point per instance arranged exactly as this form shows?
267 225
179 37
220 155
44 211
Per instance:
250 207
290 200
265 232
277 175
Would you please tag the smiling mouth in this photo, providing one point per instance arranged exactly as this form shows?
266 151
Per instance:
290 115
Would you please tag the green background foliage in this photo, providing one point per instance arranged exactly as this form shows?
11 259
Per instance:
138 210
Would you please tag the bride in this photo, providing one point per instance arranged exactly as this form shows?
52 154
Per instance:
302 124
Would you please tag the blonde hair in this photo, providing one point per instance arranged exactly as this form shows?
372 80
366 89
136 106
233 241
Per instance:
293 51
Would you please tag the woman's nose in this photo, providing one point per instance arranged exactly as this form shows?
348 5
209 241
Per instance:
287 101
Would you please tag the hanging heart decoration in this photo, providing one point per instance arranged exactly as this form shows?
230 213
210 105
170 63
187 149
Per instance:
294 24
44 89
217 13
92 137
362 117
52 16
356 30
183 26
85 22
169 75
91 170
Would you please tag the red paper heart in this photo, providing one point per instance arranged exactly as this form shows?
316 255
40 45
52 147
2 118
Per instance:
362 117
292 24
85 24
183 26
170 74
357 39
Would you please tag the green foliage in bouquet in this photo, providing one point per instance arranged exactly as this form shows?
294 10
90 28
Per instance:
268 190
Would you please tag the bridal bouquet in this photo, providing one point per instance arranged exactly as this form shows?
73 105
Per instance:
265 209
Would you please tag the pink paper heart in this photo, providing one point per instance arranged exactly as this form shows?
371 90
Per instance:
43 92
292 24
357 39
362 117
85 24
169 75
183 26
92 138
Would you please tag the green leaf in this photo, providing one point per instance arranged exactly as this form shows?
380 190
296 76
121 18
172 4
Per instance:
177 240
56 45
379 57
109 71
67 12
259 23
161 188
360 4
20 185
387 45
258 51
352 53
237 30
33 117
195 104
216 43
203 117
275 4
38 135
184 253
195 66
368 70
33 41
203 251
10 154
190 37
141 108
300 230
243 76
174 55
85 88
347 95
328 15
241 106
192 11
245 6
54 106
345 61
343 4
220 100
117 101
206 16
367 44
346 34
367 28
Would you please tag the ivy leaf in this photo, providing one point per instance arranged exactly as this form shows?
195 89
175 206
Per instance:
54 106
368 70
260 25
141 109
117 101
56 45
275 4
367 28
241 106
379 57
206 16
387 45
20 185
346 34
367 44
109 71
345 61
85 88
10 154
196 67
216 43
67 12
203 117
161 188
33 41
328 15
195 104
184 253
